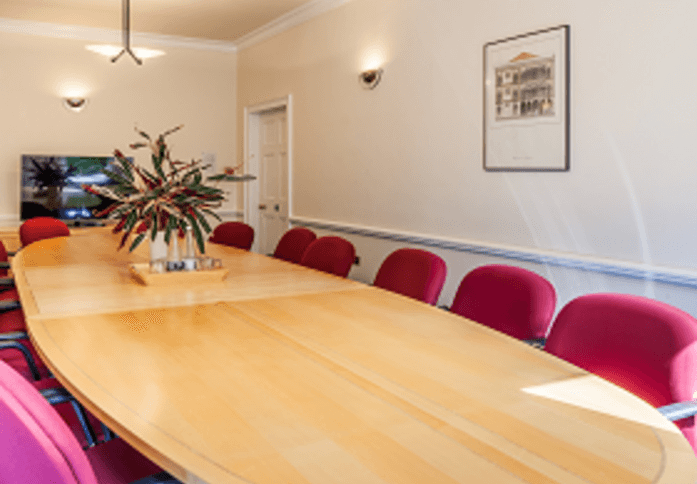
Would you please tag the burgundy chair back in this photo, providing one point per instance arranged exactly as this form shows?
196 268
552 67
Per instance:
509 299
11 320
292 245
233 234
39 228
3 258
30 428
647 347
415 273
330 254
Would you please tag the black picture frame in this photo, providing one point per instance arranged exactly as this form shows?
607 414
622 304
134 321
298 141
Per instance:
527 102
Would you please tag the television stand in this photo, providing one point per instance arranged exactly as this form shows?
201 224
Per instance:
84 223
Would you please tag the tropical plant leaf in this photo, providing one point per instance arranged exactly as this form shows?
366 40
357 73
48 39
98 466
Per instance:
153 229
157 164
173 130
131 220
197 233
125 164
115 177
202 220
137 242
171 225
212 214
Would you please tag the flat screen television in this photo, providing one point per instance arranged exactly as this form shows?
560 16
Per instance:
52 187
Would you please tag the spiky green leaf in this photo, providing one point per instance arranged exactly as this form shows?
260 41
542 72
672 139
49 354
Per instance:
197 233
137 241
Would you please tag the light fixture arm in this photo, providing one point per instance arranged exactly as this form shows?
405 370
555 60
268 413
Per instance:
126 32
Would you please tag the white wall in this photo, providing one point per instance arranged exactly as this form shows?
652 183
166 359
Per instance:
187 86
408 155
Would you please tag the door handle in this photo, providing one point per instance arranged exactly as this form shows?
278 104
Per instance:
277 207
262 206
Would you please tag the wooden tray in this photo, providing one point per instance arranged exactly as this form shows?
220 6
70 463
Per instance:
141 272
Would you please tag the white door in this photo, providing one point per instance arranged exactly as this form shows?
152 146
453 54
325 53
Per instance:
273 178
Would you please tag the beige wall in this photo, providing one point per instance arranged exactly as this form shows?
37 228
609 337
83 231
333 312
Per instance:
187 86
408 155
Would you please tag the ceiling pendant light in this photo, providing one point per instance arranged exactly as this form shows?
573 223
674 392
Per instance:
126 27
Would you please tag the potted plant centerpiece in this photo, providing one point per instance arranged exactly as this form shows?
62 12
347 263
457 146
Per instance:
168 198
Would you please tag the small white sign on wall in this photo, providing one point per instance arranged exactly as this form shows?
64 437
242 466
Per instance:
526 102
209 161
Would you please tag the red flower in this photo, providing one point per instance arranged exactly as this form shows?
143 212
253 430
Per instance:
89 189
120 225
142 227
162 217
107 210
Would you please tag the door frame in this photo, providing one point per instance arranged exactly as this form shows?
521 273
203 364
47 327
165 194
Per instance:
251 156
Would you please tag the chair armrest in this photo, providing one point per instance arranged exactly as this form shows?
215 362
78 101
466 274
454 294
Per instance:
7 282
678 411
59 395
14 336
16 345
9 305
11 254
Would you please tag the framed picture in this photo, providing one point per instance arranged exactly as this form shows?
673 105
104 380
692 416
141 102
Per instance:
526 102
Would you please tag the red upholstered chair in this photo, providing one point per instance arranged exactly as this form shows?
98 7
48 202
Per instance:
39 228
4 261
233 234
509 299
15 347
330 254
50 453
292 245
6 282
415 273
647 347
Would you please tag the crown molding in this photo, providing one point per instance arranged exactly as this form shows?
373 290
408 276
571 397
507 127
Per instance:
91 34
295 17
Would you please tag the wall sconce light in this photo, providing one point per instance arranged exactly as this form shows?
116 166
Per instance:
371 78
74 104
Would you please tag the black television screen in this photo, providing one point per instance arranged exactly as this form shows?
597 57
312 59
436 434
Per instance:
52 186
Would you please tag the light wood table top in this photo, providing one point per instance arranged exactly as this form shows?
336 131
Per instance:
281 374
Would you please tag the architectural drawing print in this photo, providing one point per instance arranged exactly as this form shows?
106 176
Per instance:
525 87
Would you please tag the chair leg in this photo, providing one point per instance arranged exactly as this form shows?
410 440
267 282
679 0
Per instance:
108 433
55 396
536 343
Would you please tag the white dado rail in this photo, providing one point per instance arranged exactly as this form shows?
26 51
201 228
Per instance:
230 214
680 277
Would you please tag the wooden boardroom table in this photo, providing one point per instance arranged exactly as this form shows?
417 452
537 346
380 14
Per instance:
281 374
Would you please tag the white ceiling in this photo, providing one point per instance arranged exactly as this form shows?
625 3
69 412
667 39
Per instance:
224 20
